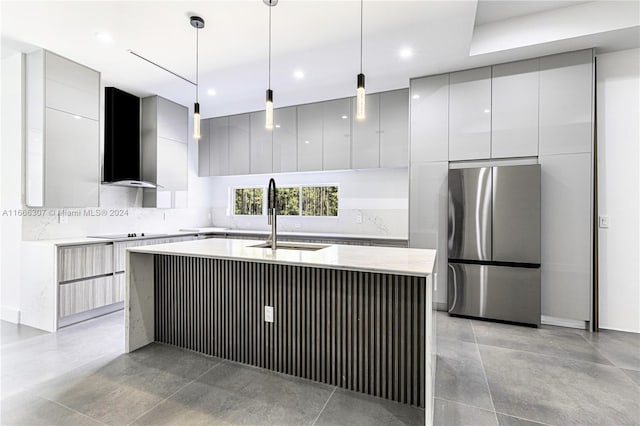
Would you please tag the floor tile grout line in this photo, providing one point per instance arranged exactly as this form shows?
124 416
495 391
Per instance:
74 410
524 418
597 350
484 373
324 406
549 355
489 411
174 393
464 403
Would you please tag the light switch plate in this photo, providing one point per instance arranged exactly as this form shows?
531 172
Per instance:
603 221
268 314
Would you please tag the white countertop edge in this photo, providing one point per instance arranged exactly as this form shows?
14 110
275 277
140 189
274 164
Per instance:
260 255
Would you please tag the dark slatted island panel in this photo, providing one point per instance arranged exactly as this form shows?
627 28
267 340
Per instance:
361 331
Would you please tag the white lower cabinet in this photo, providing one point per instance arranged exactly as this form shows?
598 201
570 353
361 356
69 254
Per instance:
81 296
428 218
566 236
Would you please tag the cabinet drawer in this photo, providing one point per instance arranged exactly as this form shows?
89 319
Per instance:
88 261
81 296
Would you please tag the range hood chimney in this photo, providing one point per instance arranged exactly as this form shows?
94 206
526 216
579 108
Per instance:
122 153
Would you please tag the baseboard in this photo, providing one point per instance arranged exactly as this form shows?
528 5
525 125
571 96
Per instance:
564 322
440 306
604 327
10 314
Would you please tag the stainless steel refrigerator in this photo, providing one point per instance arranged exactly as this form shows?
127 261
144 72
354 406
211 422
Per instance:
494 243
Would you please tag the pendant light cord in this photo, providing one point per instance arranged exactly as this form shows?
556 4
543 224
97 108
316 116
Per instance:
361 9
197 55
270 46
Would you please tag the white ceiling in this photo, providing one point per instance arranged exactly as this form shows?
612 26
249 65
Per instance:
499 10
319 37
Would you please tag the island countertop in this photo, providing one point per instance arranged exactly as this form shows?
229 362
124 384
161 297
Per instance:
394 260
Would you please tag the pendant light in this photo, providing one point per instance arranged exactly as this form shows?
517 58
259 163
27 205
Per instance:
197 23
360 95
269 97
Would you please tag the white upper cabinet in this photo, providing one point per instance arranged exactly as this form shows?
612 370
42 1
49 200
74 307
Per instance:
204 149
336 124
261 144
430 119
470 114
71 87
165 159
219 146
514 112
173 121
62 132
285 140
310 137
394 128
365 144
239 144
72 157
566 103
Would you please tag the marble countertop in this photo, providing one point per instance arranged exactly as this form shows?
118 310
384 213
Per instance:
402 261
233 231
92 240
208 230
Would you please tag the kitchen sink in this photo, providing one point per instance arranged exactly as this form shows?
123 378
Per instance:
293 246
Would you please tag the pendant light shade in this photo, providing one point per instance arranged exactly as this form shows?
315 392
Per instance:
269 98
269 110
360 93
197 23
196 121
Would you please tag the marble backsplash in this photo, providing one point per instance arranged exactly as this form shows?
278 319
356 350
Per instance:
125 214
371 202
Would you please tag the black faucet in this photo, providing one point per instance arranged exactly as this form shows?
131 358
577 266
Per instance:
272 211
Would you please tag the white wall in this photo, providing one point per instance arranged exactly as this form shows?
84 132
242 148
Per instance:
10 186
378 196
618 103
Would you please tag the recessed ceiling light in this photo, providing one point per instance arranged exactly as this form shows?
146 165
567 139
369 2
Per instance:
211 92
306 141
344 117
406 52
416 96
277 126
298 74
487 111
77 117
104 37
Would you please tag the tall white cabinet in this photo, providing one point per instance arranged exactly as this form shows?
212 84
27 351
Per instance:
537 110
63 132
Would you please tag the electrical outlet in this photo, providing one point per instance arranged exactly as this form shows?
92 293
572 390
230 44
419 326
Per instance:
297 225
359 218
268 314
63 219
603 221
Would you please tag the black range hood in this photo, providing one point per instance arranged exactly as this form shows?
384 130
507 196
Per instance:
122 163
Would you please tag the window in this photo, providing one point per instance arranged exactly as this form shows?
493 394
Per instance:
248 201
319 201
292 201
289 201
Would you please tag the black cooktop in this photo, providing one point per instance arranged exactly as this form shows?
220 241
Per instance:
130 235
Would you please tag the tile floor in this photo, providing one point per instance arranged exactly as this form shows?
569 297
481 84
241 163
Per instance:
488 373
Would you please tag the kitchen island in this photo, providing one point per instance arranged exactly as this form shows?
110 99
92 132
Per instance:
354 317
